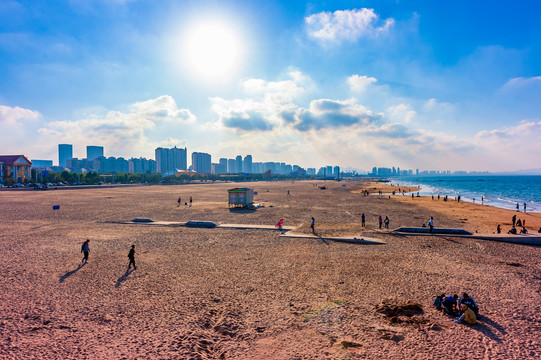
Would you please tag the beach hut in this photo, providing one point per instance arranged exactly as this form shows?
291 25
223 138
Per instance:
241 197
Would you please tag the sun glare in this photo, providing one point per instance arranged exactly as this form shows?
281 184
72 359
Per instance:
212 50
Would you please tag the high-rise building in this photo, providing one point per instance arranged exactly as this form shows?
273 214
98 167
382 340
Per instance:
201 163
93 152
170 159
161 155
231 166
65 152
221 167
247 164
328 171
336 171
238 163
141 165
177 159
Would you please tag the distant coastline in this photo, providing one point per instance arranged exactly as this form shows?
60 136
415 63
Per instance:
502 191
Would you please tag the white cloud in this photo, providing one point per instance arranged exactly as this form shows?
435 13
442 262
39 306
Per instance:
403 113
346 25
163 108
285 90
520 82
521 133
122 133
359 83
13 115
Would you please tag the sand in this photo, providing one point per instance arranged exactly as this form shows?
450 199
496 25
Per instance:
250 293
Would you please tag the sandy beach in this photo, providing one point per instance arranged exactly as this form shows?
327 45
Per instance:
251 293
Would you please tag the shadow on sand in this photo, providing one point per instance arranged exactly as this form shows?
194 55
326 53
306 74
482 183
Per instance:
488 327
321 238
69 273
451 240
354 241
241 210
123 277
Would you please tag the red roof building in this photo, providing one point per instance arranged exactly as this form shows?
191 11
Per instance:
15 168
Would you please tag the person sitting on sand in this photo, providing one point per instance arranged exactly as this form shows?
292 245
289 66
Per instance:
539 231
523 230
519 223
279 225
468 315
438 302
513 230
469 302
449 305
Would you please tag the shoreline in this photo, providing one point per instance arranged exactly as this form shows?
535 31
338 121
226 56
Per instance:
467 196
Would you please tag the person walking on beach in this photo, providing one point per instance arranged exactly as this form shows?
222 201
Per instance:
363 220
386 222
431 224
131 256
85 249
279 225
524 207
179 201
514 219
312 225
190 201
380 220
517 207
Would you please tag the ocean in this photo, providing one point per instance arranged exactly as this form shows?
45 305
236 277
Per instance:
498 190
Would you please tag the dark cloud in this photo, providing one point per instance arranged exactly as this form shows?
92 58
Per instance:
324 113
247 121
288 116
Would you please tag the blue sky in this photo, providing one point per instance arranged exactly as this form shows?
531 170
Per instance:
415 84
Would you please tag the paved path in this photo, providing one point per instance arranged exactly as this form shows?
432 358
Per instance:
528 239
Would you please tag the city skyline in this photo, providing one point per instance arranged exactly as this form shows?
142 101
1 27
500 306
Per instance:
362 84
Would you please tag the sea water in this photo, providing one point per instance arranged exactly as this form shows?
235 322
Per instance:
497 190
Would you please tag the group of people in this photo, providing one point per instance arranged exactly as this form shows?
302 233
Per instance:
85 249
465 309
519 223
381 221
179 201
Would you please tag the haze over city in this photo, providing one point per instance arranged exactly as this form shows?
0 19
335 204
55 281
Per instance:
429 85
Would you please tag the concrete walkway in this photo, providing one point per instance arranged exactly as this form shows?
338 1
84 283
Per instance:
526 239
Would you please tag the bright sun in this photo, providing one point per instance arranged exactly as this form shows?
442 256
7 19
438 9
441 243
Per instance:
212 49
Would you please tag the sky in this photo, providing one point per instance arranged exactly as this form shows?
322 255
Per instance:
428 85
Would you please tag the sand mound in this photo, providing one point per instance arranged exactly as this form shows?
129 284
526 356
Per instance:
401 311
